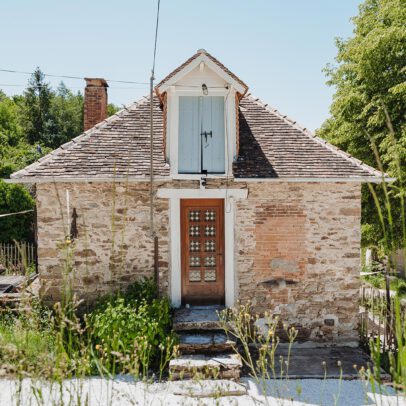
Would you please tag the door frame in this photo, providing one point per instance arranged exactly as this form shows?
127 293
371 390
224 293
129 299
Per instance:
174 196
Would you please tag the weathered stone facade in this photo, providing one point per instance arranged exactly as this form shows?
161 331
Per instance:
114 246
298 255
297 247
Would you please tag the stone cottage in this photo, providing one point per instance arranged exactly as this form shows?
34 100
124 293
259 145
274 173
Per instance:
245 204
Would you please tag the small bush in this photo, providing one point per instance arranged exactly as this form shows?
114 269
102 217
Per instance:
131 331
127 332
132 336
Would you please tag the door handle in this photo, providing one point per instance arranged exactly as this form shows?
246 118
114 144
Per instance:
206 134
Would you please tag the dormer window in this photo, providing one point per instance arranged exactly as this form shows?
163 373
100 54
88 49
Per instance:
200 106
201 144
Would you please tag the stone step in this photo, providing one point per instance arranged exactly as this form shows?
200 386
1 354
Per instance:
197 318
208 388
191 343
200 366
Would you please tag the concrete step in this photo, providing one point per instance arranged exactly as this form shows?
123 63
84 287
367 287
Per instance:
191 343
200 366
197 318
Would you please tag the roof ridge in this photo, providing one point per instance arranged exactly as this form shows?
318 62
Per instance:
86 134
317 139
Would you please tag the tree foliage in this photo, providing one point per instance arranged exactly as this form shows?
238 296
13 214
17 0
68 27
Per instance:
31 125
13 199
369 103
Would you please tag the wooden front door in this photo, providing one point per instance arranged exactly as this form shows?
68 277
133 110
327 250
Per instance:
202 251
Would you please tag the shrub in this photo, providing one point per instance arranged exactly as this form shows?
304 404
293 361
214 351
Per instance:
131 332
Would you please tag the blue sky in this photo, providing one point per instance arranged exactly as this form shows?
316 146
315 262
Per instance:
278 47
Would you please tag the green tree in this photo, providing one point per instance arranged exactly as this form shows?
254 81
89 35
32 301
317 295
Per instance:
67 117
37 119
370 82
15 198
10 126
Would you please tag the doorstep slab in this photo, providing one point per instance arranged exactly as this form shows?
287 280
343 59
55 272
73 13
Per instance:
197 318
221 366
190 343
209 388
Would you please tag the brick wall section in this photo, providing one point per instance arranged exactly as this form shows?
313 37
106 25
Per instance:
113 247
95 102
298 255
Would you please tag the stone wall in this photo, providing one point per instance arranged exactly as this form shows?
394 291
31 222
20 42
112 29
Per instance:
297 247
298 256
113 248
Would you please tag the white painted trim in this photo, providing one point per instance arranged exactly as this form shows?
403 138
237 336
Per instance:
202 193
198 176
229 269
174 231
360 179
172 129
192 65
175 259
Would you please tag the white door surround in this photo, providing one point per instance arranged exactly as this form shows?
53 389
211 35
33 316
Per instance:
174 196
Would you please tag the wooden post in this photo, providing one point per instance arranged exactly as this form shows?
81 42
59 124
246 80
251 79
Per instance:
156 263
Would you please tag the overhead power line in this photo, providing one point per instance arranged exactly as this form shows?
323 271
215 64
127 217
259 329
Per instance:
71 87
72 77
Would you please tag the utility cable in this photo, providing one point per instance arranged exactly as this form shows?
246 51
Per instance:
74 77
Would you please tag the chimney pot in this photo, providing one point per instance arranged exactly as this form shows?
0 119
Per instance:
95 102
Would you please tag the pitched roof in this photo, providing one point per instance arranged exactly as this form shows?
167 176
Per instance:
274 146
271 146
117 147
191 59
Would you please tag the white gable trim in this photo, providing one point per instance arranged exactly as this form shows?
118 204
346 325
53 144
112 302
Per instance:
192 65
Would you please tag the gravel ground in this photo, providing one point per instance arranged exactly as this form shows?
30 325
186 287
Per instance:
124 391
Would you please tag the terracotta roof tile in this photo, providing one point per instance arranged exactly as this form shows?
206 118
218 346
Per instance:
271 146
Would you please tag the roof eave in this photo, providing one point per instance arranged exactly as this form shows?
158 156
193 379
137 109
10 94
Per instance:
53 179
353 179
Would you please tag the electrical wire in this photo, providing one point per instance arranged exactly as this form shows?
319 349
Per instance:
71 87
75 77
16 213
156 37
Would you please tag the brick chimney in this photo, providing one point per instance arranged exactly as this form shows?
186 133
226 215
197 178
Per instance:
95 104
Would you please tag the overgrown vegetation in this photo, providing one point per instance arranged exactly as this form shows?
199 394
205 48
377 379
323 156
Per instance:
396 284
370 81
127 332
